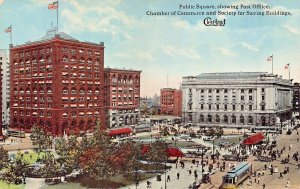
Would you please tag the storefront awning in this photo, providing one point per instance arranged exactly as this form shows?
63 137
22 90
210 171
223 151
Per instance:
171 151
120 131
254 139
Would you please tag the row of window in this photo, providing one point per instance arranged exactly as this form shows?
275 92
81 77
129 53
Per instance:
225 107
47 50
225 119
250 91
225 97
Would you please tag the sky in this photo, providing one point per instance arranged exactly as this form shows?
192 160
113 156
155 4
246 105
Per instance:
166 48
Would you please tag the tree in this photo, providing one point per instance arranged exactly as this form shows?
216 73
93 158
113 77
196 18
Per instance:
69 150
51 168
96 160
157 153
4 160
40 139
14 172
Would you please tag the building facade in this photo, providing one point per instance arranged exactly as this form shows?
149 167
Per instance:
236 99
121 96
56 83
5 86
171 102
296 99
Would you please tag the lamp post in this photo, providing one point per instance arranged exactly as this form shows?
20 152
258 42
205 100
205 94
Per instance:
202 159
166 147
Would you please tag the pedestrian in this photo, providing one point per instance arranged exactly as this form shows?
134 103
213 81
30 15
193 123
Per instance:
168 178
287 183
265 166
257 180
280 175
178 175
264 185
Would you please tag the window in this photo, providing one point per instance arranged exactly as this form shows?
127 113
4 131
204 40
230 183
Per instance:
225 91
250 91
242 107
262 90
225 119
201 118
217 91
217 119
233 107
242 119
218 106
225 107
209 106
202 90
242 90
263 107
233 119
209 90
209 119
250 120
250 98
263 97
250 107
201 106
242 97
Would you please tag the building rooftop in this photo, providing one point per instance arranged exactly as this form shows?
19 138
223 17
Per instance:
50 35
231 75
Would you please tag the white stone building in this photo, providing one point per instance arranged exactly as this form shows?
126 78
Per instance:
5 70
236 99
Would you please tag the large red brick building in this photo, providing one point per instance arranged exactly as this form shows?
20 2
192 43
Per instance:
171 102
56 83
121 96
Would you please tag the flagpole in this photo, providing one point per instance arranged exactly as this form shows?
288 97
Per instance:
289 71
272 63
57 17
10 34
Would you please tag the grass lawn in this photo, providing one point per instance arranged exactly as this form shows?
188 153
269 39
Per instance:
4 185
31 156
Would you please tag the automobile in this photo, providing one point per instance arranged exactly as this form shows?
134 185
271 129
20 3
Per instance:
264 158
289 132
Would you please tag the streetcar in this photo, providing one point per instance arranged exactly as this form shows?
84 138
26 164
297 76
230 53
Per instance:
15 133
233 178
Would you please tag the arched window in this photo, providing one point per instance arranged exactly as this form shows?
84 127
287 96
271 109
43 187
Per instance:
250 120
81 91
263 120
233 119
65 91
209 118
217 119
201 119
242 120
225 119
73 90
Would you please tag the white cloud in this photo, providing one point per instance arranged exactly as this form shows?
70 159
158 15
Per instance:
249 47
144 55
226 52
187 53
291 29
82 17
1 1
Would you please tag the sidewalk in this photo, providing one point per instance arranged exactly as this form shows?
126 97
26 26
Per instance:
183 182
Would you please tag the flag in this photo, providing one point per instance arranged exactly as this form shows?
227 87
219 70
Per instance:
270 58
53 5
286 66
8 30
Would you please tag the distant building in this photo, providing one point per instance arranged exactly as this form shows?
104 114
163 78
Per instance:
171 102
121 96
296 99
5 86
56 83
150 106
236 99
